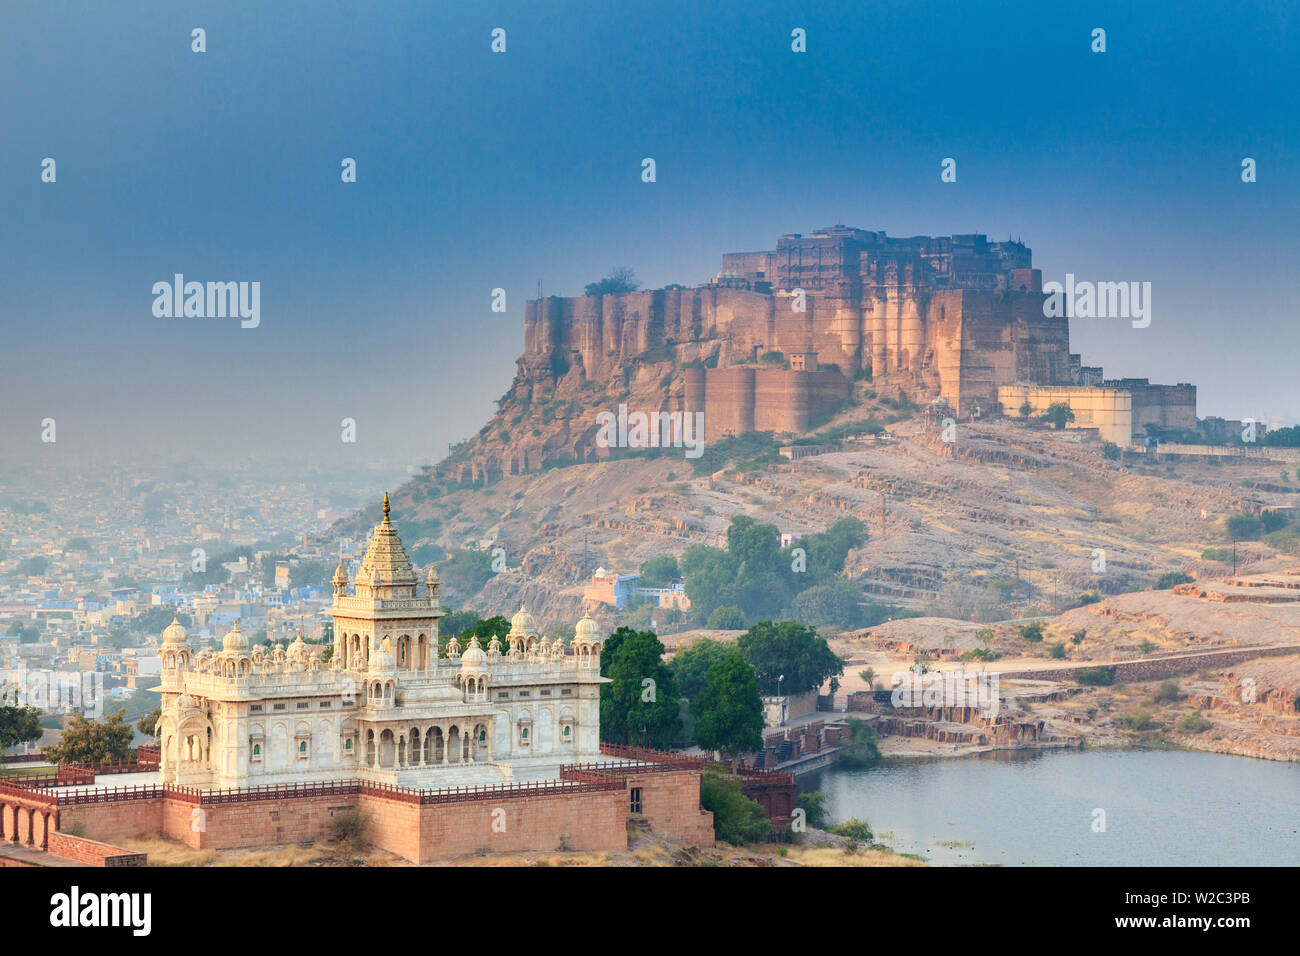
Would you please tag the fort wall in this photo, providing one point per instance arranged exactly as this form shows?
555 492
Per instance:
587 810
1109 410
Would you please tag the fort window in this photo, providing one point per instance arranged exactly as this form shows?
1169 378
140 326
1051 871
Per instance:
277 706
347 744
304 704
546 693
503 695
635 806
566 691
255 709
525 693
325 705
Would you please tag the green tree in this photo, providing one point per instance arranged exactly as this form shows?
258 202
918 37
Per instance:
153 620
660 572
1110 451
690 665
736 818
727 618
813 804
1244 527
18 724
93 742
640 706
837 603
729 712
1271 521
826 552
454 622
147 725
1170 579
32 567
792 650
1058 414
620 279
862 750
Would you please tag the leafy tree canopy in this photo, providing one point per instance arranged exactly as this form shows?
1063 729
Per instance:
640 706
727 618
660 572
757 575
792 650
729 711
736 818
1057 415
620 279
93 742
690 665
18 724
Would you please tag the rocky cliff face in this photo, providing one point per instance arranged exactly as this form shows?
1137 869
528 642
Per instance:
592 354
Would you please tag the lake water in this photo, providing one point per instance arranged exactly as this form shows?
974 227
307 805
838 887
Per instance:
1020 808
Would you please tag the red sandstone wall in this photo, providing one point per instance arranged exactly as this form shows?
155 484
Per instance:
109 822
422 833
392 825
234 825
591 821
92 852
670 803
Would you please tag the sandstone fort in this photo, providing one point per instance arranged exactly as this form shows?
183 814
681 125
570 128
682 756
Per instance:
778 337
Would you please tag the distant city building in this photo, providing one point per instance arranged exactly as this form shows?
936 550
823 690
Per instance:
609 587
621 590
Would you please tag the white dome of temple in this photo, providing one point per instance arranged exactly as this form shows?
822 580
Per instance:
586 631
474 658
235 639
522 624
175 633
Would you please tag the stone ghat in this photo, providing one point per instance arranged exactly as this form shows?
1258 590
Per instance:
958 724
1231 708
998 733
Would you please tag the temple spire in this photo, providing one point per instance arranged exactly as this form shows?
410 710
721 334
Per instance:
385 506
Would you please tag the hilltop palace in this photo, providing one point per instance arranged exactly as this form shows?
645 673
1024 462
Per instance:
387 707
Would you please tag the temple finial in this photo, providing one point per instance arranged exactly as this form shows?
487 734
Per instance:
385 506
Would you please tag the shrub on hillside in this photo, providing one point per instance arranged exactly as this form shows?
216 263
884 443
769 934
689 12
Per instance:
1095 676
736 818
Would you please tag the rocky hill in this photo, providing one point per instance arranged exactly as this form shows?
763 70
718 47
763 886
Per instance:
1003 520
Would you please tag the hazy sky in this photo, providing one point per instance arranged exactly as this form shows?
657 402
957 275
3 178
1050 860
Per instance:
478 170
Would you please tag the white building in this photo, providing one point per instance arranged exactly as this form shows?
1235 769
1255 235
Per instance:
387 707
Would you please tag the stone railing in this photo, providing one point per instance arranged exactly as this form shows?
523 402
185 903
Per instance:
362 605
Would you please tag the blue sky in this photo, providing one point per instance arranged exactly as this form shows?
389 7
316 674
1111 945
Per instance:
478 170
